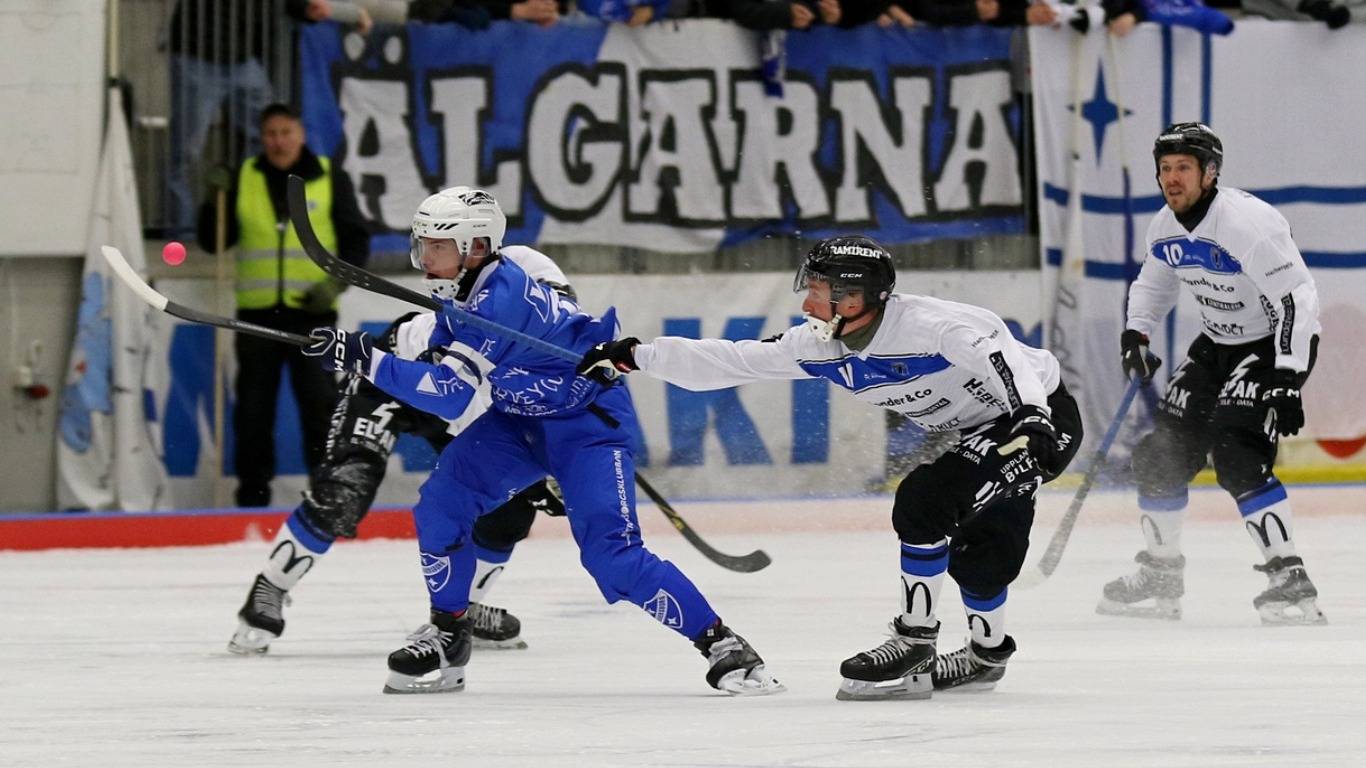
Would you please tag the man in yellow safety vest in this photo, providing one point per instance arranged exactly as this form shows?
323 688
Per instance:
279 287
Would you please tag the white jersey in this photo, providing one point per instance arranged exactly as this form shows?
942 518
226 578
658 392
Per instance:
942 364
1243 269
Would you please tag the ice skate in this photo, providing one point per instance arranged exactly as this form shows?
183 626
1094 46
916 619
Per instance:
900 668
735 667
495 628
261 619
1157 579
1290 586
434 659
973 667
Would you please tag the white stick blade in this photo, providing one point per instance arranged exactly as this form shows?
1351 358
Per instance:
131 278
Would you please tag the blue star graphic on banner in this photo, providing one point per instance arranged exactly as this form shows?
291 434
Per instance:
1100 111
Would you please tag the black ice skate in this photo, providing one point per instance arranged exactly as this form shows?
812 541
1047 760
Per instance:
735 667
898 669
434 659
1158 579
973 667
261 619
1290 586
495 628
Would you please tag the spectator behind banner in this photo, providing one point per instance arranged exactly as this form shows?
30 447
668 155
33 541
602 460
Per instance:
1334 13
278 286
542 13
960 13
1122 15
218 50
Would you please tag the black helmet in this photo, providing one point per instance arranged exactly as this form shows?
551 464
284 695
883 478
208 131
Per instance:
849 263
1191 139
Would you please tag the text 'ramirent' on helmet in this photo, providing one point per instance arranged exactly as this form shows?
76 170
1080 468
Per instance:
848 264
1195 139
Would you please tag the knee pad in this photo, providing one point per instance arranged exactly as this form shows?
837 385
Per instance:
1242 461
341 495
1164 463
924 510
984 560
501 529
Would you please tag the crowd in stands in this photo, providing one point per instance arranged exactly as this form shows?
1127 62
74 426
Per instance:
1119 16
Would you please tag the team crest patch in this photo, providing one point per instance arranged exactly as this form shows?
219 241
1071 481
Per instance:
436 570
665 609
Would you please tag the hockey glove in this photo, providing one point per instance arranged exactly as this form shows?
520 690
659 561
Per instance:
604 361
338 350
1135 357
1283 396
1033 430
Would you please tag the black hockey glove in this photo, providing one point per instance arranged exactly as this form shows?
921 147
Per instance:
338 350
1335 16
1033 430
1135 357
1283 396
604 361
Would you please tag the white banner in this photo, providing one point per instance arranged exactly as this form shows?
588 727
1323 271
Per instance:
51 71
768 440
106 453
1099 103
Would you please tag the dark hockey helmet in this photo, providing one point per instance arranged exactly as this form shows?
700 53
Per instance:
1191 139
849 263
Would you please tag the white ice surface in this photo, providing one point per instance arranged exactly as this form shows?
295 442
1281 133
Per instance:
117 657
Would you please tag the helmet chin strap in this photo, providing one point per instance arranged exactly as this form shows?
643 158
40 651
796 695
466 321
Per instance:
834 327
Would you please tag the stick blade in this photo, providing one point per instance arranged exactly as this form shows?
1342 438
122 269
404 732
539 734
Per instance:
114 257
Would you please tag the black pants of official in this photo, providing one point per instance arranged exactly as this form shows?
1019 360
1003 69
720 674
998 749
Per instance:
260 363
983 501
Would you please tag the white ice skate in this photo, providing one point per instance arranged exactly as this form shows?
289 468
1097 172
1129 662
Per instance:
1289 588
1157 579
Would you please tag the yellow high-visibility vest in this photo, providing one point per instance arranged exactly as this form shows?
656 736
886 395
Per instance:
272 267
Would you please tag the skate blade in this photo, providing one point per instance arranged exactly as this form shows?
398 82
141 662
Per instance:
487 644
915 686
979 686
250 641
448 680
1275 614
757 682
1166 609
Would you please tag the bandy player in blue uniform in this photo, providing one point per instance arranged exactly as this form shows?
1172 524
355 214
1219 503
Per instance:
527 414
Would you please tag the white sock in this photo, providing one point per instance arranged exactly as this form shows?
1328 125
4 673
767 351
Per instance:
1266 516
986 618
485 574
1161 523
922 574
293 554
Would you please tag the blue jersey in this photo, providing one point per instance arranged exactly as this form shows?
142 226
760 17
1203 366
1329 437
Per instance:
479 370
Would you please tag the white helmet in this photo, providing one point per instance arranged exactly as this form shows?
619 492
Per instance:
460 214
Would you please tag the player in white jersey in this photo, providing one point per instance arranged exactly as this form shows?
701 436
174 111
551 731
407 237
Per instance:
1238 390
948 367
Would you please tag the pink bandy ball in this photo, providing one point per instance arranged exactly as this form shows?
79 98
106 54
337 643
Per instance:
173 253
